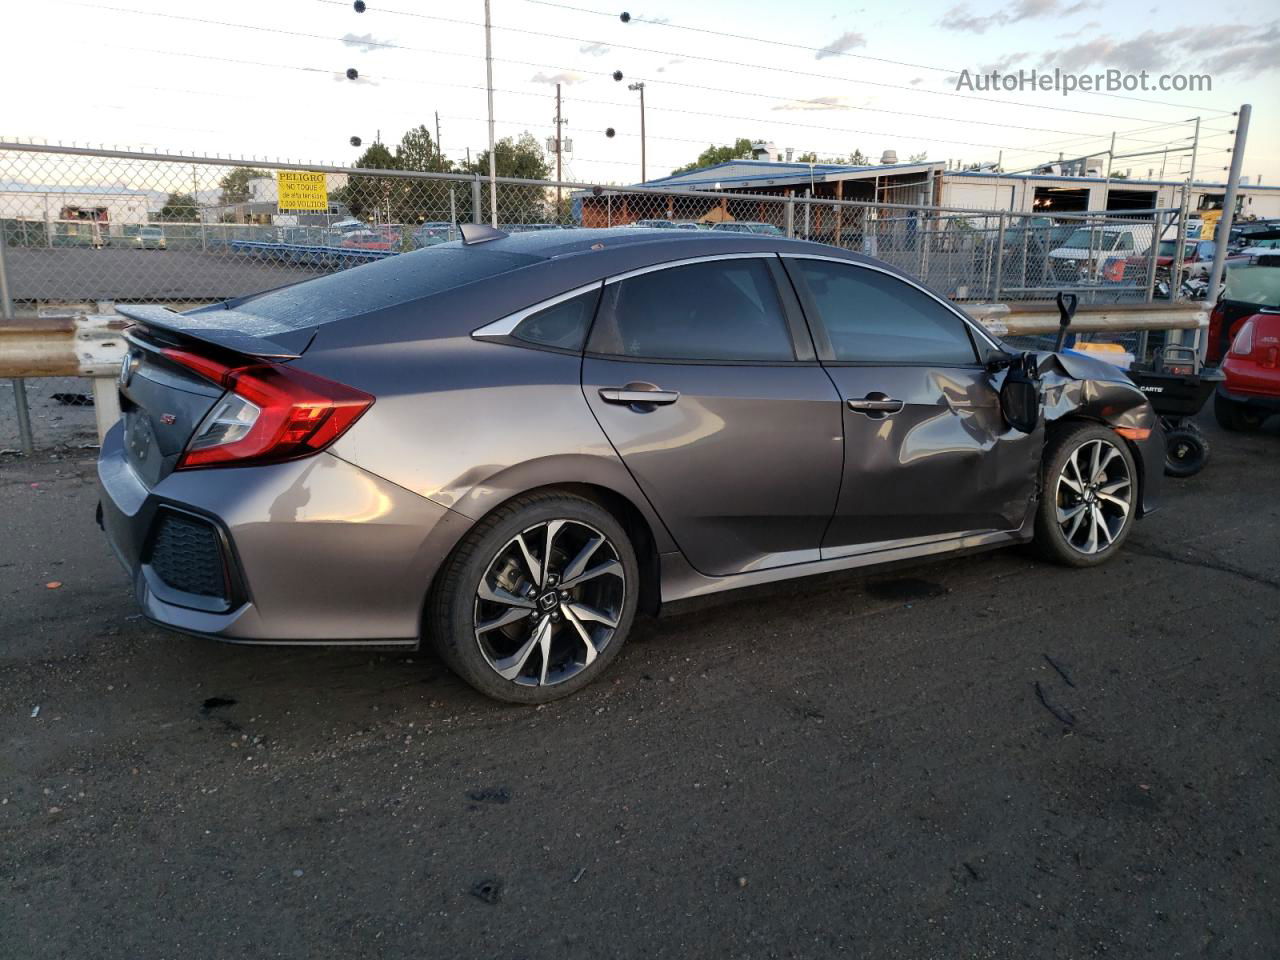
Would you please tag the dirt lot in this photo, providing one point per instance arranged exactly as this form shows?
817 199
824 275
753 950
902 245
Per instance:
979 758
124 274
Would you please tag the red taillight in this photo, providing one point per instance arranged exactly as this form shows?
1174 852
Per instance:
272 413
1242 345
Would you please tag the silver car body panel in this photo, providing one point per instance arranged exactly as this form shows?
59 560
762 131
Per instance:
736 482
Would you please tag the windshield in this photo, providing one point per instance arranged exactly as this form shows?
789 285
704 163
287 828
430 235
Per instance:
151 232
1255 285
1091 238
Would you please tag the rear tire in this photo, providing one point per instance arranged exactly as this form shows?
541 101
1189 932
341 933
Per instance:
1088 496
1186 450
521 629
1233 415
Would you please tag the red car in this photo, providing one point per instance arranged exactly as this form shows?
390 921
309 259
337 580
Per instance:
1248 318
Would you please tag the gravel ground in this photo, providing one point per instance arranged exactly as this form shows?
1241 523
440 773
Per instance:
987 757
59 427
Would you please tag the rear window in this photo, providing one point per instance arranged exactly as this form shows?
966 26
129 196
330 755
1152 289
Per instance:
375 286
1256 285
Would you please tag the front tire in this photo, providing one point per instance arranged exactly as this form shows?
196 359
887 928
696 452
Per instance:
1088 496
537 600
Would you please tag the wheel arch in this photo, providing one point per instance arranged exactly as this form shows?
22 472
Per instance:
638 523
1077 418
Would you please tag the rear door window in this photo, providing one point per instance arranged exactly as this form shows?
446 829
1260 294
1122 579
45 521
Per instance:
719 310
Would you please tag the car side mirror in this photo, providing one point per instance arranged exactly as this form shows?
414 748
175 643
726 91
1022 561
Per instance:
1020 397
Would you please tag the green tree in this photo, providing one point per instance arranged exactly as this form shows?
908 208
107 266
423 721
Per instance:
522 158
858 158
179 208
741 150
235 185
369 197
513 158
418 199
417 151
809 157
1119 175
920 157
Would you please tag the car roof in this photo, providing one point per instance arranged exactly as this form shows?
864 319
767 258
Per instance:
648 245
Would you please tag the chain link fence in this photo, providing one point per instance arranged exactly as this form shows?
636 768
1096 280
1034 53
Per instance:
82 225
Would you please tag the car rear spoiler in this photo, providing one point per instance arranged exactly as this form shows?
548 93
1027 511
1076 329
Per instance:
232 336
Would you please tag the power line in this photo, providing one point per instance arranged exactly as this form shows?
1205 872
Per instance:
824 50
824 127
607 103
550 66
739 36
699 113
757 66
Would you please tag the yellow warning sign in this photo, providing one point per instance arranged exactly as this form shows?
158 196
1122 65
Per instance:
300 190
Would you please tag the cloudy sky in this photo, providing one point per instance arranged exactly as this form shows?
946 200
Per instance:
268 78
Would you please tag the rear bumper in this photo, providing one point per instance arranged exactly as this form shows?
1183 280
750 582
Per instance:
313 551
1254 402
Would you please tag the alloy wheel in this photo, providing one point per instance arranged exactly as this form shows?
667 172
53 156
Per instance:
549 602
1094 495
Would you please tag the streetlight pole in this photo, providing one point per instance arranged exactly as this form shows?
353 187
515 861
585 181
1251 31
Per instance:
640 86
488 69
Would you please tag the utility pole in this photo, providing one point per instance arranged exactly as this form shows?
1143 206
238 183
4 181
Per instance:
1228 211
488 70
559 151
439 149
640 86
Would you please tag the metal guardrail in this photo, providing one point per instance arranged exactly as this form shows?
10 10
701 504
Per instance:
89 342
73 344
1033 319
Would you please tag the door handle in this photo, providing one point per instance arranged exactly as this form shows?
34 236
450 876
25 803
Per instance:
876 406
632 394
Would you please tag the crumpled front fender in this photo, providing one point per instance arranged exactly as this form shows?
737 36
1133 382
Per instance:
1091 389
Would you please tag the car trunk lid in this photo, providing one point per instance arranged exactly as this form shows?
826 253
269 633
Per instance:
162 401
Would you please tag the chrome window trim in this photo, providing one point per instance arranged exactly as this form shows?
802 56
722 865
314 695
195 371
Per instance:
670 264
897 276
506 325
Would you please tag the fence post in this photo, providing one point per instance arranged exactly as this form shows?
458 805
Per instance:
1152 254
475 199
20 407
791 217
999 273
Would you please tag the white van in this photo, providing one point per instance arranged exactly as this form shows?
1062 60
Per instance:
1083 254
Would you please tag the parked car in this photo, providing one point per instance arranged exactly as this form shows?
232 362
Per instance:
149 238
655 224
1197 260
433 232
1244 233
1083 254
1247 289
376 238
1251 391
592 423
530 227
687 225
748 226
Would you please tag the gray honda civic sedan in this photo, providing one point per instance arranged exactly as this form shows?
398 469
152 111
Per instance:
508 446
